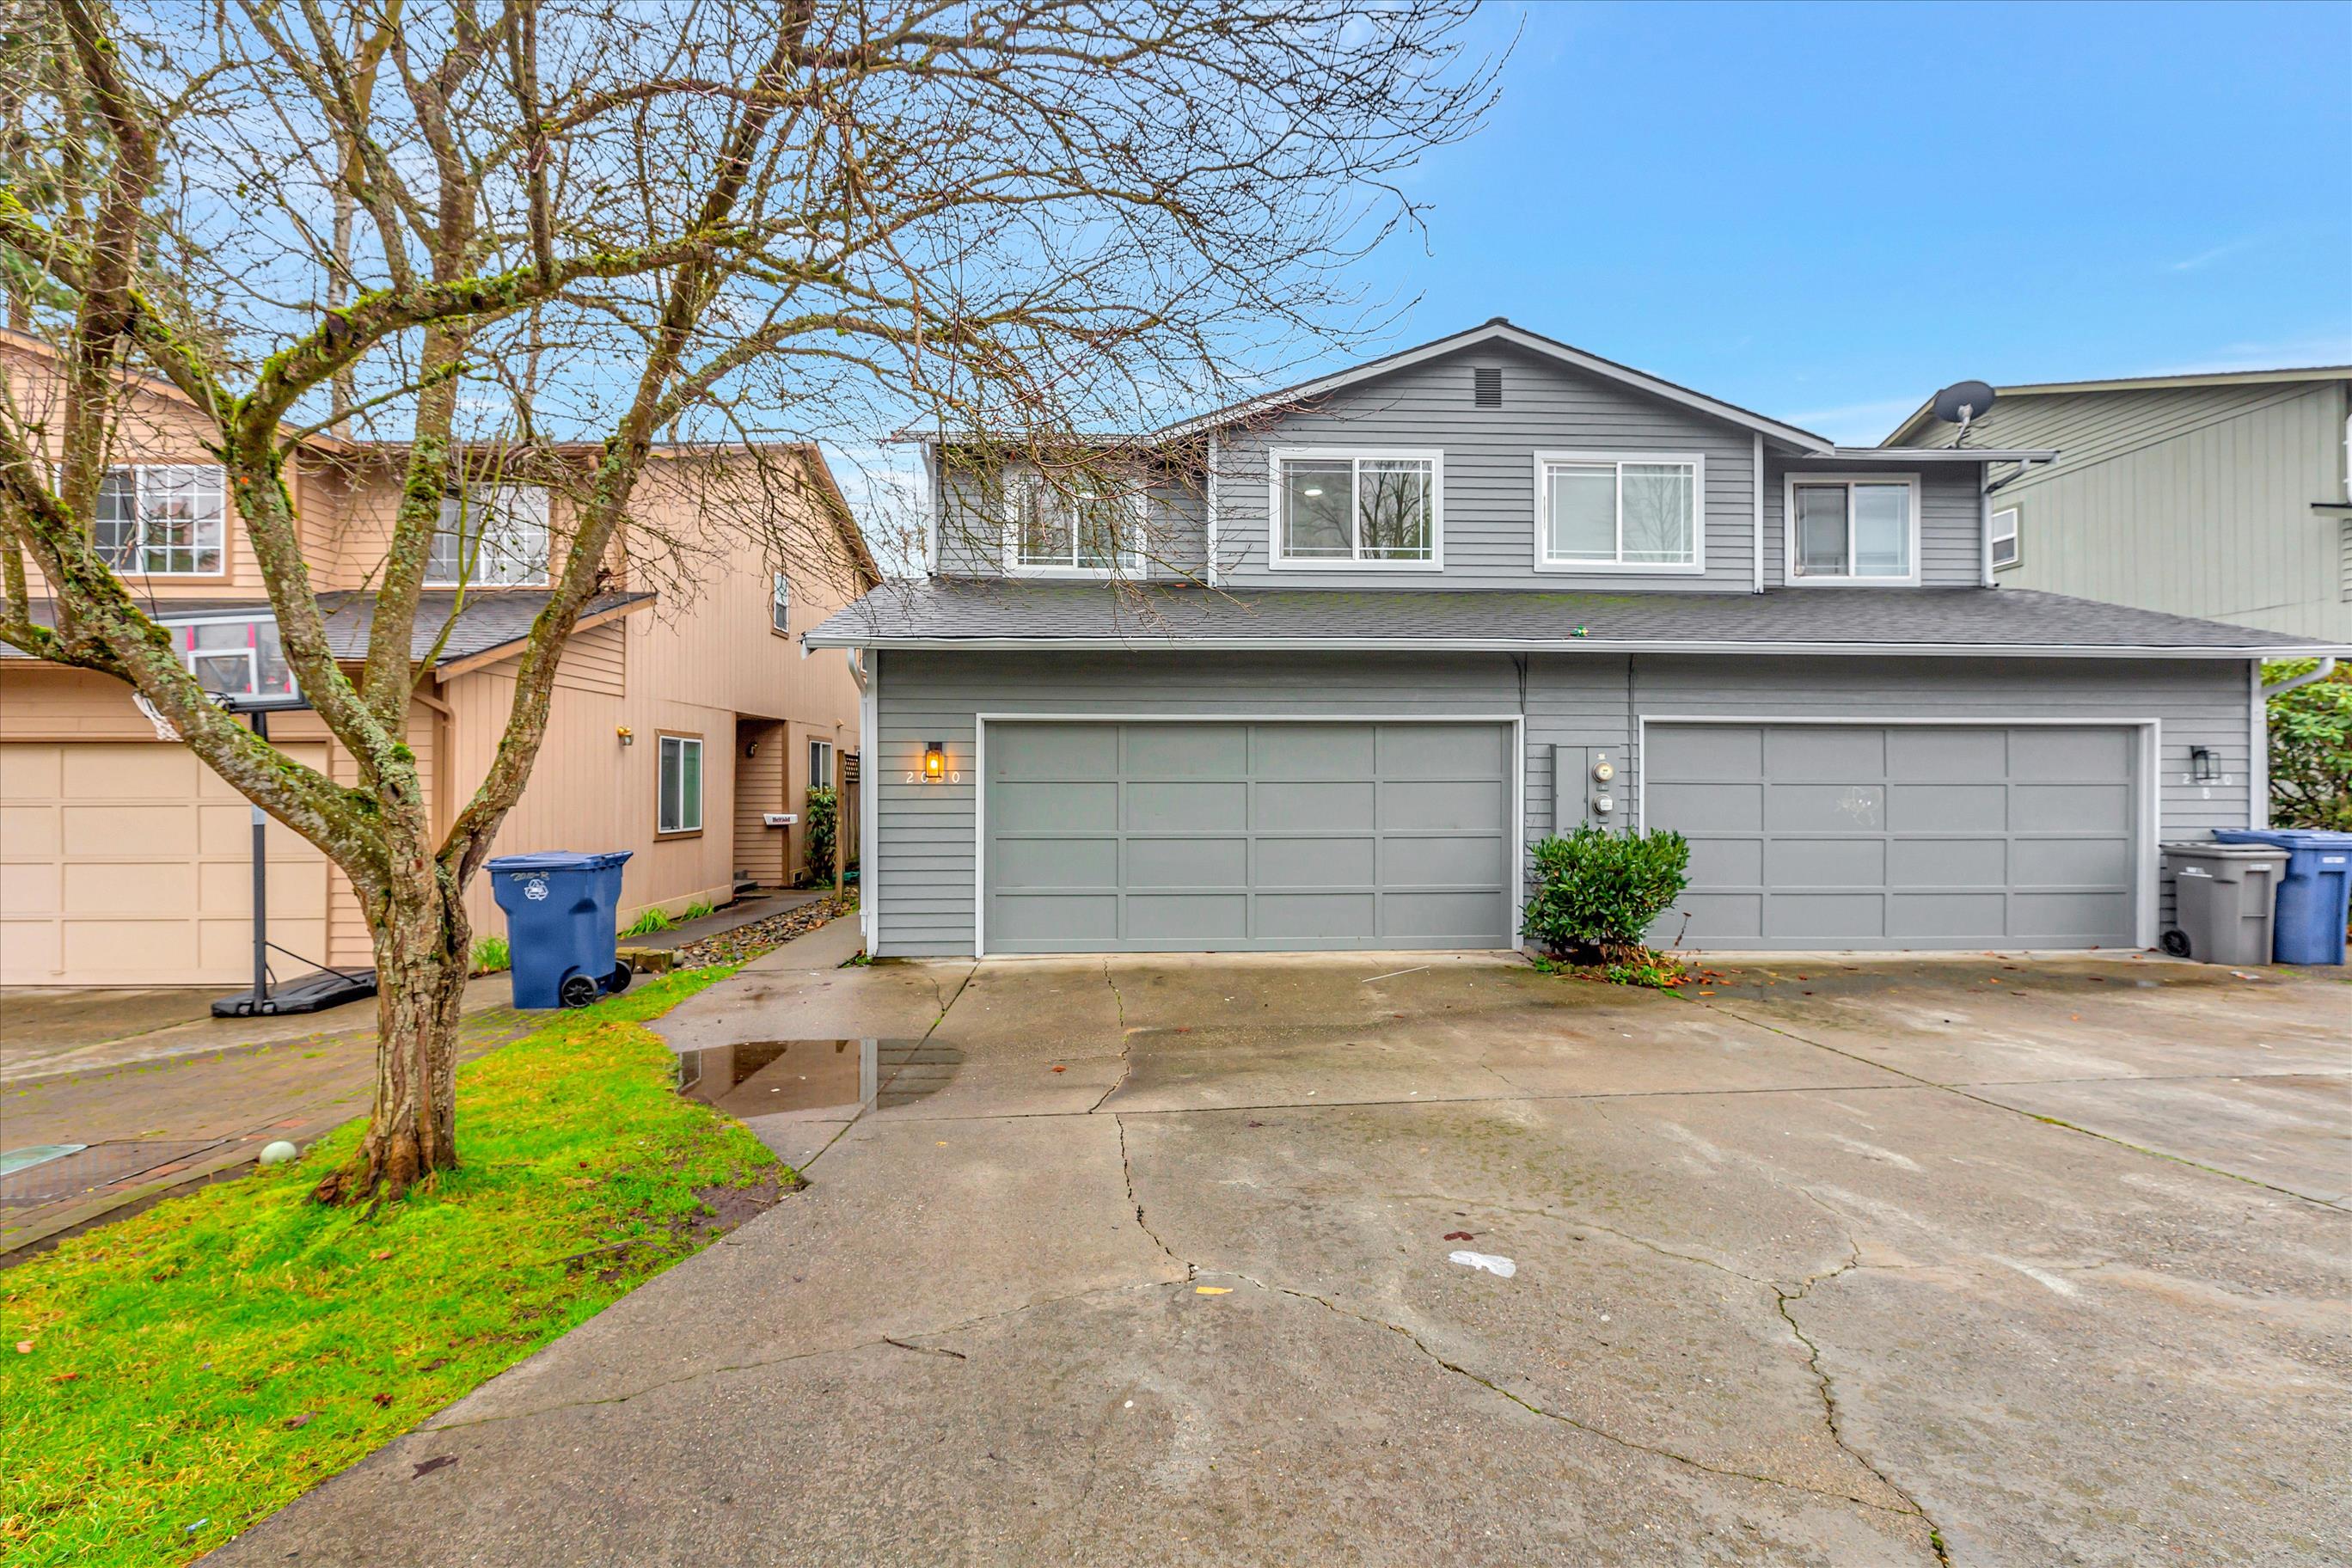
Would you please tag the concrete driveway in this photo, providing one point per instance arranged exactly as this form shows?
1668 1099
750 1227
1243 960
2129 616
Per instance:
1129 1261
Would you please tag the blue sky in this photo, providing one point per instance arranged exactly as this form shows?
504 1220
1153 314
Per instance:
1825 211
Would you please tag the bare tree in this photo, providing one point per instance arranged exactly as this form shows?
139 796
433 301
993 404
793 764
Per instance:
557 234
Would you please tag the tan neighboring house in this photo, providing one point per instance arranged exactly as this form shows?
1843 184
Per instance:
684 720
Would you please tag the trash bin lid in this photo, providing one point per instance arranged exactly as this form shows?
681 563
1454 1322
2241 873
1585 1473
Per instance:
557 860
2212 851
2286 837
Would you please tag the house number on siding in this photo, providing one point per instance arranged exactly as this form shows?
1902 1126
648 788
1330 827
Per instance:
955 776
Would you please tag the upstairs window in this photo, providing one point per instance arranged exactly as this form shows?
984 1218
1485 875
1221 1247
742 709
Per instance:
2004 537
1357 508
492 536
1078 531
162 519
779 603
1853 529
1611 511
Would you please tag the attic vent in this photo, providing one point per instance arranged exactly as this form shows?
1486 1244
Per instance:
1486 386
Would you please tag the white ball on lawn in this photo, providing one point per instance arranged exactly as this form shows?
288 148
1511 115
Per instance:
279 1152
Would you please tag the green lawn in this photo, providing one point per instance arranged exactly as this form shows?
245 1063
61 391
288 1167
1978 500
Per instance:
193 1368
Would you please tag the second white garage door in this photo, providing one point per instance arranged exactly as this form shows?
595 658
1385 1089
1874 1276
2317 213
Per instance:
1195 836
1901 835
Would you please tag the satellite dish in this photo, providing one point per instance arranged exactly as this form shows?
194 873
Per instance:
1962 401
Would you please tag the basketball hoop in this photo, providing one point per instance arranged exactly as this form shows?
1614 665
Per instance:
165 729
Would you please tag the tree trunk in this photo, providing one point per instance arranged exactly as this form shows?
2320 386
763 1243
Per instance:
422 948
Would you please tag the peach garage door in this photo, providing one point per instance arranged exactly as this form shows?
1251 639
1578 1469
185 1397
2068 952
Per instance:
131 864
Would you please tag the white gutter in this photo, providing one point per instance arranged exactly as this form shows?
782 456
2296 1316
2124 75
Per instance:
2325 667
1563 644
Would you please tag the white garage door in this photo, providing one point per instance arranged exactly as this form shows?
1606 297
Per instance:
1900 836
131 864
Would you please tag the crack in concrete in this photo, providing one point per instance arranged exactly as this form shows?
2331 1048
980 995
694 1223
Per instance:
1783 1299
2030 1115
1126 1169
1126 1054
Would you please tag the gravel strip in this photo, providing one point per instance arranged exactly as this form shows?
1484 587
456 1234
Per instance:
760 936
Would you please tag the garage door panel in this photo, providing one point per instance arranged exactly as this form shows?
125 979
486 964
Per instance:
1922 915
137 887
1208 752
30 887
2070 755
1829 753
115 947
1340 806
1816 807
118 771
1195 806
29 770
1443 804
1696 807
1946 807
1331 862
1736 861
227 945
1314 750
1948 863
1825 862
1345 919
28 952
225 888
1442 752
1988 834
1208 919
30 831
1185 863
1444 862
1266 834
1058 863
1919 755
1048 808
1062 751
1452 919
2064 808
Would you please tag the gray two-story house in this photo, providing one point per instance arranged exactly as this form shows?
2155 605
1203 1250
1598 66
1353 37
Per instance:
1313 671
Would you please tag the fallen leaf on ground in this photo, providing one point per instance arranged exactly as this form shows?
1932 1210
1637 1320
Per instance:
296 1423
1059 1068
436 1462
24 1347
1461 1236
1213 1289
384 1401
381 1256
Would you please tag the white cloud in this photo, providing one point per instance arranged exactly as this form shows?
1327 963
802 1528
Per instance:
1858 424
2204 259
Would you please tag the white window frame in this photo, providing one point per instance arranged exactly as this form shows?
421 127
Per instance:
780 604
135 564
1545 562
2016 547
665 746
1131 555
820 774
1279 561
500 502
1793 482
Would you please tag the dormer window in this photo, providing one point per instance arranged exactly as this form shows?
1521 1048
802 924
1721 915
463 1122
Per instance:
1078 531
162 519
492 536
1858 530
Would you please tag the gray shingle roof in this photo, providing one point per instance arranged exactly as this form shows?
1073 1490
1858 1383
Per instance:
962 612
490 620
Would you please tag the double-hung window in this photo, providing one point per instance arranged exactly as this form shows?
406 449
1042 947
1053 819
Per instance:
779 603
1071 529
162 519
1853 529
820 764
2004 537
1619 511
680 785
1357 509
492 536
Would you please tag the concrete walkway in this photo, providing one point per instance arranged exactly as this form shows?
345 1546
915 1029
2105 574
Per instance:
1390 1260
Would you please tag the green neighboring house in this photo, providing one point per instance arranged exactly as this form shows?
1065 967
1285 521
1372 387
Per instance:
2225 497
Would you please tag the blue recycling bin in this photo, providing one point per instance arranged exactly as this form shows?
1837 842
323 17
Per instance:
560 912
2314 895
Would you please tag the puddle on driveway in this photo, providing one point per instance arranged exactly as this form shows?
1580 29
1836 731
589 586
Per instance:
816 1080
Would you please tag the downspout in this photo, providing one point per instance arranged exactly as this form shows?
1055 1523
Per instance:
1985 488
2258 737
1756 475
2321 671
869 820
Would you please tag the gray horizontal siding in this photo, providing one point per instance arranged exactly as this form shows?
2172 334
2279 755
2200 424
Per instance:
1952 518
924 887
1489 484
971 527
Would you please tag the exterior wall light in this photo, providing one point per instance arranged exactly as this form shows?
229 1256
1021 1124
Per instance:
626 739
935 761
2200 763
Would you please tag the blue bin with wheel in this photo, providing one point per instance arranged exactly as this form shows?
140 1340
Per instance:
560 909
2313 897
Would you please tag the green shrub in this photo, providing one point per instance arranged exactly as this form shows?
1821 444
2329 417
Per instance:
699 908
2311 749
820 819
655 918
490 955
1597 892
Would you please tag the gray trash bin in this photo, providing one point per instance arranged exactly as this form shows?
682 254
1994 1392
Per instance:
2224 896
